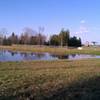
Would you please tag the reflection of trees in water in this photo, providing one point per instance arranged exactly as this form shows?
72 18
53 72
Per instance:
2 52
12 53
21 53
73 55
61 56
40 55
24 54
64 57
32 55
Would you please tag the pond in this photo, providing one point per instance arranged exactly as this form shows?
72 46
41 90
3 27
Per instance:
6 55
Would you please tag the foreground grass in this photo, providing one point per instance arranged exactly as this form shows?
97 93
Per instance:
58 50
50 80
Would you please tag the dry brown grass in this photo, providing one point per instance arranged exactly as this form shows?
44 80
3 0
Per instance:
55 50
43 80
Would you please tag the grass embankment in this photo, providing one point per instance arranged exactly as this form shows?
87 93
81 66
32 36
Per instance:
57 50
50 80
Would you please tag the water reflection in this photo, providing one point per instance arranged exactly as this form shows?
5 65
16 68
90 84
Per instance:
7 55
73 55
60 56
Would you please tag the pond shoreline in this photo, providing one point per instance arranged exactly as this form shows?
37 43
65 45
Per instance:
9 55
54 50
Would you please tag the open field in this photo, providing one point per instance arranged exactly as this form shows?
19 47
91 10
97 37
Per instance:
50 80
58 50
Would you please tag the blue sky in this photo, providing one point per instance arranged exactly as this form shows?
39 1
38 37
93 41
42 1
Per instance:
82 17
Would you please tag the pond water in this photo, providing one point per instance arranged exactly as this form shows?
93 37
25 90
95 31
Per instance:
6 55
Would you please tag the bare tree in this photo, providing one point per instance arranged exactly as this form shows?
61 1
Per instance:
3 32
40 36
27 33
14 38
30 36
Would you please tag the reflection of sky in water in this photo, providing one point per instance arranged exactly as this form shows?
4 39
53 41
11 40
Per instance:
18 56
82 56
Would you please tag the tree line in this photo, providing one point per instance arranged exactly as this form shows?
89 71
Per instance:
31 37
64 39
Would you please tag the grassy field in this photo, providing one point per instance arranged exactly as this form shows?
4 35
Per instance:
58 50
50 80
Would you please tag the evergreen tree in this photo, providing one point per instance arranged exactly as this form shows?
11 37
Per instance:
64 37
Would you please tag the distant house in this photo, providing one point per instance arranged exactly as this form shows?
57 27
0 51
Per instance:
94 43
79 48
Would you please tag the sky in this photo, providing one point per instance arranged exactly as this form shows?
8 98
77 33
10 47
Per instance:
81 17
